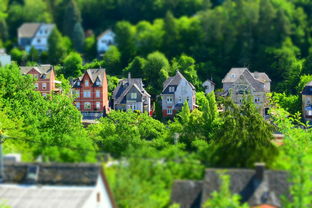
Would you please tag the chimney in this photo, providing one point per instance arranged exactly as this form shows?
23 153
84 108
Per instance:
260 168
129 78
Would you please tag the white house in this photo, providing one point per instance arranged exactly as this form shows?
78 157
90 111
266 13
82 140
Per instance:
55 185
34 35
104 40
209 86
5 59
177 90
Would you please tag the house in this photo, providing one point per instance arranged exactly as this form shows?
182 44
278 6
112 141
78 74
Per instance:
130 94
209 86
55 185
91 93
34 35
5 59
177 90
258 187
307 102
45 75
104 40
240 81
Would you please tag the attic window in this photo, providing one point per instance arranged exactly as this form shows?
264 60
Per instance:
233 75
97 82
171 89
78 83
87 83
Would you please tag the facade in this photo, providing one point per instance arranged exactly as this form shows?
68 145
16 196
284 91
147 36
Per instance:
307 102
45 75
104 40
240 81
130 94
177 90
91 93
55 185
258 187
5 59
209 86
34 35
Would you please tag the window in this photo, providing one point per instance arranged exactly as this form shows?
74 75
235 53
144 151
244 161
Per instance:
169 99
36 85
98 105
171 89
98 93
77 93
36 76
169 111
87 83
78 83
133 96
180 99
132 107
87 105
44 86
44 94
44 76
87 94
38 40
257 100
97 82
78 105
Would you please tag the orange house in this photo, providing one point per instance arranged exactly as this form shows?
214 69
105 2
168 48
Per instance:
91 93
45 75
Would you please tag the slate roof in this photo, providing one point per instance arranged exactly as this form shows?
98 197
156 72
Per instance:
94 74
75 174
32 197
42 69
174 81
28 30
252 189
125 85
307 90
256 79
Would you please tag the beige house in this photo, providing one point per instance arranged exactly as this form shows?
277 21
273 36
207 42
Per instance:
240 81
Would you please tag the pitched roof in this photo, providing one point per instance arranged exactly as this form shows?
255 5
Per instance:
96 73
25 196
175 80
42 69
28 30
104 33
307 90
125 85
54 173
245 182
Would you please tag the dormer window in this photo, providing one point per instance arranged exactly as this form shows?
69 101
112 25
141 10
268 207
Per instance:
97 82
233 75
171 89
78 83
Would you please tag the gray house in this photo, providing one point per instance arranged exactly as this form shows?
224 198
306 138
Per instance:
259 187
177 90
130 94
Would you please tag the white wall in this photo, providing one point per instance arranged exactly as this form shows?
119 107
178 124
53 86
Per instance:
5 59
42 35
184 90
102 43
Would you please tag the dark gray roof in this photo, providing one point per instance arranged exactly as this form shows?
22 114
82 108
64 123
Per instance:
307 90
174 81
125 85
187 193
42 69
94 74
77 174
252 189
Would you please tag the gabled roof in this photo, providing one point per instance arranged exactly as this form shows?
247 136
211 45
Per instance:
28 30
175 80
94 74
253 189
104 33
125 85
42 69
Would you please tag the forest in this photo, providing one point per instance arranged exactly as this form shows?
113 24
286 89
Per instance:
154 38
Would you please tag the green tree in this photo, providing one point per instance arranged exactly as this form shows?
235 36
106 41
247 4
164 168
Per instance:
135 67
112 60
90 47
224 198
71 19
72 65
78 37
58 47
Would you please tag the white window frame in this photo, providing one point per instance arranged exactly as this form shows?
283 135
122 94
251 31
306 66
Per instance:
44 86
36 86
87 83
87 105
77 93
98 105
78 105
169 111
133 95
97 93
171 89
169 99
87 94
